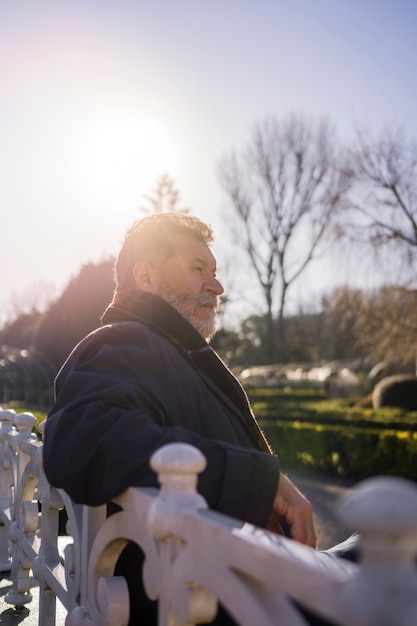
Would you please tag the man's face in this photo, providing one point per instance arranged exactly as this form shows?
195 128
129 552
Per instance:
187 281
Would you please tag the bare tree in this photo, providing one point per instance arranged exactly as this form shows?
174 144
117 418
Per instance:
341 314
285 189
164 198
35 298
378 325
385 193
386 326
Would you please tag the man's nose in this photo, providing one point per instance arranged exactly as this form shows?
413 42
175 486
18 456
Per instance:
215 286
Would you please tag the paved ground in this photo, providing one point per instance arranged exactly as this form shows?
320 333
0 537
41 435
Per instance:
323 494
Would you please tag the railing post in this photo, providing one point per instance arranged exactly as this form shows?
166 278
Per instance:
24 519
384 591
92 520
6 481
178 466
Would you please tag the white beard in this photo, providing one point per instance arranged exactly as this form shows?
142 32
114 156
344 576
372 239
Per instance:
186 306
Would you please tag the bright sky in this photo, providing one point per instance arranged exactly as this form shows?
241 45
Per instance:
100 97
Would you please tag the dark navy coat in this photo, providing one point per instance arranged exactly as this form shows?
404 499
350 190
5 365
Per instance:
144 379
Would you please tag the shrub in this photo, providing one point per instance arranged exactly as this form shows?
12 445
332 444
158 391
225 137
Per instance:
399 390
343 451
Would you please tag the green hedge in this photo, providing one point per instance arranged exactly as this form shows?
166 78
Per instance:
314 407
347 450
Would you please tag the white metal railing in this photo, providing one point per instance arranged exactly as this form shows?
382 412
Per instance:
196 557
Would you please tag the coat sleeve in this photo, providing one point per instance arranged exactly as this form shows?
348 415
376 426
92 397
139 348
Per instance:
108 418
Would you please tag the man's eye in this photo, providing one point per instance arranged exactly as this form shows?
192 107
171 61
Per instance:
198 269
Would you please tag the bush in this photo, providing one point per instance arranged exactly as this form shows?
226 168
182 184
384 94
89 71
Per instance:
343 451
335 437
399 390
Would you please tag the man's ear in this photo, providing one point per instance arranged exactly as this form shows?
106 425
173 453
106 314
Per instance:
142 273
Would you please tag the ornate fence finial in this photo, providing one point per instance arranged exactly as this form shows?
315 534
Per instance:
384 593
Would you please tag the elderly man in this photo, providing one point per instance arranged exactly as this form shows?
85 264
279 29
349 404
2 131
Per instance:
149 376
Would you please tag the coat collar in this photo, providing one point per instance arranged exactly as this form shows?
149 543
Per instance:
140 306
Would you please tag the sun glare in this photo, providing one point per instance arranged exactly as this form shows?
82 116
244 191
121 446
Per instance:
120 154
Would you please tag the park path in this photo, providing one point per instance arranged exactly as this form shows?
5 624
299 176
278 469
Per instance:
324 494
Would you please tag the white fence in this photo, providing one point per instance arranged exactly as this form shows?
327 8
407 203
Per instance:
196 557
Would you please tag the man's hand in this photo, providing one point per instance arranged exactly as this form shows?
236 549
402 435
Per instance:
293 507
